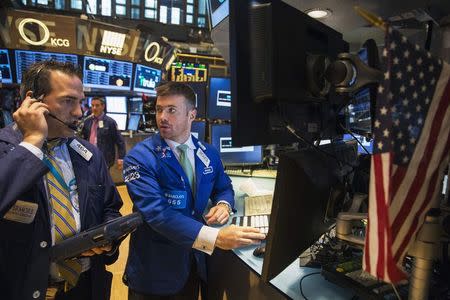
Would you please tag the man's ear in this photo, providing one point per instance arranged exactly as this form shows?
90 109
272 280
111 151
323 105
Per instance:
29 94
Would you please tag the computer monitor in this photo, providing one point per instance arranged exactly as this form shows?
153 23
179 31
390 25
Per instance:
116 104
200 97
308 191
219 11
24 59
191 72
362 107
121 120
365 141
135 105
198 129
146 79
270 66
5 67
102 73
133 122
219 98
220 136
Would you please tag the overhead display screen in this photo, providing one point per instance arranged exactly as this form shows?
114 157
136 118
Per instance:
24 59
146 79
5 67
101 73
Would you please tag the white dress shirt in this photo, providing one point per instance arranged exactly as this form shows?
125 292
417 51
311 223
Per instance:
207 236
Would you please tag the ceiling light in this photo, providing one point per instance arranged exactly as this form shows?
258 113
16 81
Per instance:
318 13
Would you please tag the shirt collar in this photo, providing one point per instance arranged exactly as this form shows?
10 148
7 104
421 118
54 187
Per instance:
100 118
173 145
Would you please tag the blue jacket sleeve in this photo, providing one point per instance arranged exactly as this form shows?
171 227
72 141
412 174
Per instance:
20 170
140 172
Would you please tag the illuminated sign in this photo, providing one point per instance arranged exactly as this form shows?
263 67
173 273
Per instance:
35 38
189 72
112 42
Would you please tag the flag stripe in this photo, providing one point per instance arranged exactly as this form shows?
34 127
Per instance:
416 193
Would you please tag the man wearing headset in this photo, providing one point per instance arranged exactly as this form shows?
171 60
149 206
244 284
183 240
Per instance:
52 186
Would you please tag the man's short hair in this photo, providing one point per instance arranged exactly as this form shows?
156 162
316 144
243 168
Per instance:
101 99
37 77
172 88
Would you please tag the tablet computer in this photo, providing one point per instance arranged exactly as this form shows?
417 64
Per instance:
97 236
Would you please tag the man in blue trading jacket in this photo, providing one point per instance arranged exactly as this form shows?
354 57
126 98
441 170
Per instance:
170 178
101 131
52 186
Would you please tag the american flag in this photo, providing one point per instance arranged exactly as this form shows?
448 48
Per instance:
411 151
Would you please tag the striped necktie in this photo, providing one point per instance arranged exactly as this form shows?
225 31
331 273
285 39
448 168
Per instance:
62 214
186 164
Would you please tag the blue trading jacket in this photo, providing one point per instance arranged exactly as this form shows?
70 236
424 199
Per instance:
161 251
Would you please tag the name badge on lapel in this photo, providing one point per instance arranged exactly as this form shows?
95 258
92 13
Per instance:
22 212
177 199
100 124
202 156
80 149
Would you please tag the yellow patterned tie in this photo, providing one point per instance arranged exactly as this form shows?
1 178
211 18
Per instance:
62 214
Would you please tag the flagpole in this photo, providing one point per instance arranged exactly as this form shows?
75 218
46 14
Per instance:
371 18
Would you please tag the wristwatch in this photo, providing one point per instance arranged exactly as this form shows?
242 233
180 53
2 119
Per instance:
230 211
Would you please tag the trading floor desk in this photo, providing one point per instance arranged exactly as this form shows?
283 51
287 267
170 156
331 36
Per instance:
236 274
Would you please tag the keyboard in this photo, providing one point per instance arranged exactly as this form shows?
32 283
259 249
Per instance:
258 205
260 221
264 173
238 172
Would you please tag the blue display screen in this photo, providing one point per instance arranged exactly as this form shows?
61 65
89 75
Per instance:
24 59
221 140
198 129
219 98
135 105
5 67
109 74
146 79
133 122
367 143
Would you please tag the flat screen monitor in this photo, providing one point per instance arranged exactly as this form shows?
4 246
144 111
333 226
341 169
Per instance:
220 135
309 187
24 59
274 80
198 130
102 73
5 67
191 72
200 97
146 79
365 141
219 98
135 105
133 122
219 11
121 120
116 104
361 110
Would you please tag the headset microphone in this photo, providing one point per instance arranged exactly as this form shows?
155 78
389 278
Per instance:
71 126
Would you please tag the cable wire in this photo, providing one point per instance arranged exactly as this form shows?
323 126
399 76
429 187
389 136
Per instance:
301 280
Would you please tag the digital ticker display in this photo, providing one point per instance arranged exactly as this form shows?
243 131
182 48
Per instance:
146 79
5 67
104 73
24 59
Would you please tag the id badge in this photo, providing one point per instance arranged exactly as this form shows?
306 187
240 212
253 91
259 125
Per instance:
22 212
176 199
